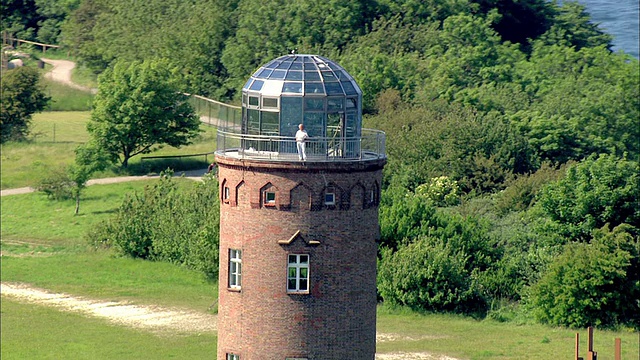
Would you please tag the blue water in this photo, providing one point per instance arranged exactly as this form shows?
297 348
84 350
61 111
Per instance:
619 18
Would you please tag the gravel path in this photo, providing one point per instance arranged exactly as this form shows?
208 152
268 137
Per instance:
195 175
61 72
155 319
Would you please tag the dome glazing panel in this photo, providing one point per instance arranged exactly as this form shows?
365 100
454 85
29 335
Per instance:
302 74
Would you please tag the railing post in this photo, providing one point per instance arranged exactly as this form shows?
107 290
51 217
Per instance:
618 349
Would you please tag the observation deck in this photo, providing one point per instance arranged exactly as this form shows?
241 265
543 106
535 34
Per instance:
301 91
370 146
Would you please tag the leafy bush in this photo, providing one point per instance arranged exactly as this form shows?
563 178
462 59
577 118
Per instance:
56 184
442 190
440 263
591 284
521 193
599 190
167 223
426 275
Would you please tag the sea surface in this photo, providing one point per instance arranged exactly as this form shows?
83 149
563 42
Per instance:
619 18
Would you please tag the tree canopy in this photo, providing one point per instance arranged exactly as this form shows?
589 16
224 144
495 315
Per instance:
22 95
139 106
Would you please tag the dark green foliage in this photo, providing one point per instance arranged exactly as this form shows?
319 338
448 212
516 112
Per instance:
167 223
520 193
22 95
591 284
426 275
36 20
479 152
572 27
597 191
431 260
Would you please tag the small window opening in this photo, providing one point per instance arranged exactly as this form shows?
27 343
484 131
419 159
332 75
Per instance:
330 197
269 198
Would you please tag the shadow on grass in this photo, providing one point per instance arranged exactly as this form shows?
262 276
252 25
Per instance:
156 166
111 211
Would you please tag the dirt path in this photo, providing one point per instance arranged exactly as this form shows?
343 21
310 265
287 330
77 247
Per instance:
195 175
158 320
61 72
155 319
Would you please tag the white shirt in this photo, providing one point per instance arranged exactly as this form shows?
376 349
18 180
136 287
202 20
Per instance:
301 136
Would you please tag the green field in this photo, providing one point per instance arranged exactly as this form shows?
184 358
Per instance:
55 135
37 332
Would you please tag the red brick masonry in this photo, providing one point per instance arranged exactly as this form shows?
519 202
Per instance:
336 318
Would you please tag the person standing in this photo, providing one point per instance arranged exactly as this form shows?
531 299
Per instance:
301 138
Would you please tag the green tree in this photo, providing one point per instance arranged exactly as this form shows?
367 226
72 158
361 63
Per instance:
140 106
597 191
89 159
54 13
591 284
78 33
572 27
22 95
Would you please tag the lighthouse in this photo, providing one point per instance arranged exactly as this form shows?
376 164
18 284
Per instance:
298 233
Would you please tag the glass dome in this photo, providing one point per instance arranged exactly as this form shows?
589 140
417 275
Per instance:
302 89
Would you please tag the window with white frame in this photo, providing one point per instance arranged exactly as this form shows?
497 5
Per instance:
330 196
233 357
235 269
227 193
298 273
269 197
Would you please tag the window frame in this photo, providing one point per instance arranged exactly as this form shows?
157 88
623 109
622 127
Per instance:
232 356
234 281
330 192
299 266
269 198
226 194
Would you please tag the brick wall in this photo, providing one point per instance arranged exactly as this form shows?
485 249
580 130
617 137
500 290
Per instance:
336 318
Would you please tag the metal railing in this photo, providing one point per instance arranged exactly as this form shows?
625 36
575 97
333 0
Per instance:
369 146
216 113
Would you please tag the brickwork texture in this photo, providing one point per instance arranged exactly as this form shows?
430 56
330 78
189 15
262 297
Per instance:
336 318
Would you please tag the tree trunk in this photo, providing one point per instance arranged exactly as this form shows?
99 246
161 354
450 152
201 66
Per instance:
77 203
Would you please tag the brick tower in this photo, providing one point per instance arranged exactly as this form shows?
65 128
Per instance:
298 237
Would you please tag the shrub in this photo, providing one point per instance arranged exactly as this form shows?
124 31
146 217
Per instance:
599 190
167 223
442 190
591 284
426 275
441 268
56 184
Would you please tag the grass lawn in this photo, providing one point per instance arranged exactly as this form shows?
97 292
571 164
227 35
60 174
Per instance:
99 275
64 98
35 217
37 332
465 338
57 134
